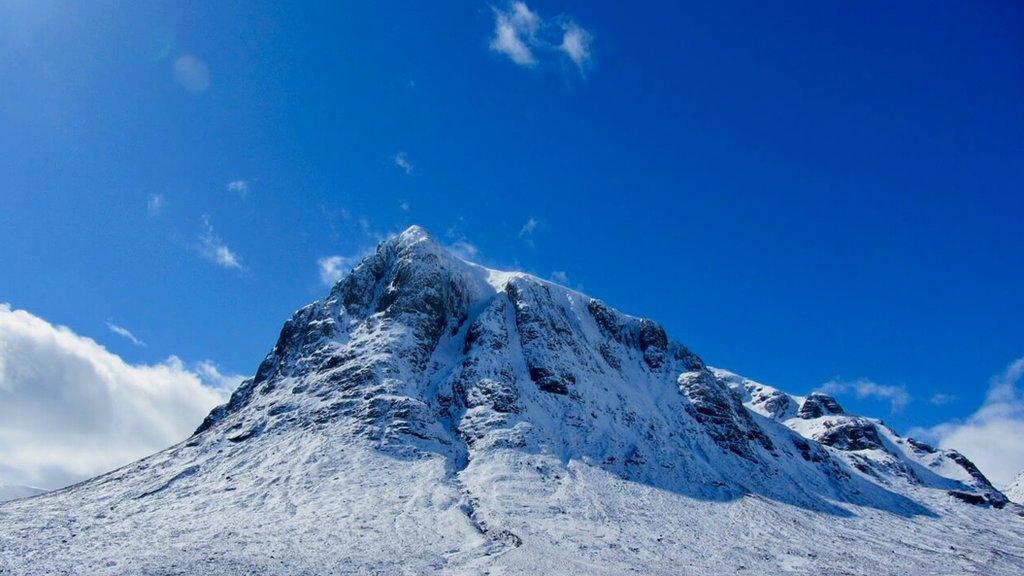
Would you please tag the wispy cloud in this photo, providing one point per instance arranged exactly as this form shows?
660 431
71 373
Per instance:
404 205
71 409
155 204
526 232
525 38
464 249
992 437
560 277
333 268
213 248
897 396
240 187
528 227
576 45
941 399
514 28
191 73
459 244
125 333
401 160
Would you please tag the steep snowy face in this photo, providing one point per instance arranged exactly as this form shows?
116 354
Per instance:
362 357
419 351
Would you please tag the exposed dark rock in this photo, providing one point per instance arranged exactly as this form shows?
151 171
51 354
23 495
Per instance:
550 382
921 446
606 318
850 434
724 418
653 343
817 405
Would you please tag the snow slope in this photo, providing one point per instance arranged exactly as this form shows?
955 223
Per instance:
433 416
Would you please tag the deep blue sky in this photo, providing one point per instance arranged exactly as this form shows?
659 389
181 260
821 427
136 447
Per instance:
796 192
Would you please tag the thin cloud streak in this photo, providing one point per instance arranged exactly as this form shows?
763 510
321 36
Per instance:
125 333
213 249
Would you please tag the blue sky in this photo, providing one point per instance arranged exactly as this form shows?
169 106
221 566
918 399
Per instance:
802 194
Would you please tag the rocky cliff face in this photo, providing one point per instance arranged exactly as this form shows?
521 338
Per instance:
433 415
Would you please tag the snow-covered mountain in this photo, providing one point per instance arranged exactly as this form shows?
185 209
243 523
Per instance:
434 416
17 491
1015 490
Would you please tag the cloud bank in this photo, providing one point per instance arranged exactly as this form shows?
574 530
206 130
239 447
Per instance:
70 409
992 437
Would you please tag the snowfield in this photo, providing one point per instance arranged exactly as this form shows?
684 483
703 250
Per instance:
431 416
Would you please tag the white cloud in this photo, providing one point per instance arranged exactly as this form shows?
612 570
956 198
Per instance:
992 437
70 409
191 73
404 205
513 29
240 187
576 45
155 204
524 37
125 333
333 268
897 396
213 249
560 277
402 161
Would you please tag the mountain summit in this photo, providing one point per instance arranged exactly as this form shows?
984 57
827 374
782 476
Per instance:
434 416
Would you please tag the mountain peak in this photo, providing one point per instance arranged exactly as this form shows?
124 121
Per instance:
431 415
414 234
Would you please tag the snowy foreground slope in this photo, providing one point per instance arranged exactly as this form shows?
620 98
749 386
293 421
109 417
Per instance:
433 416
